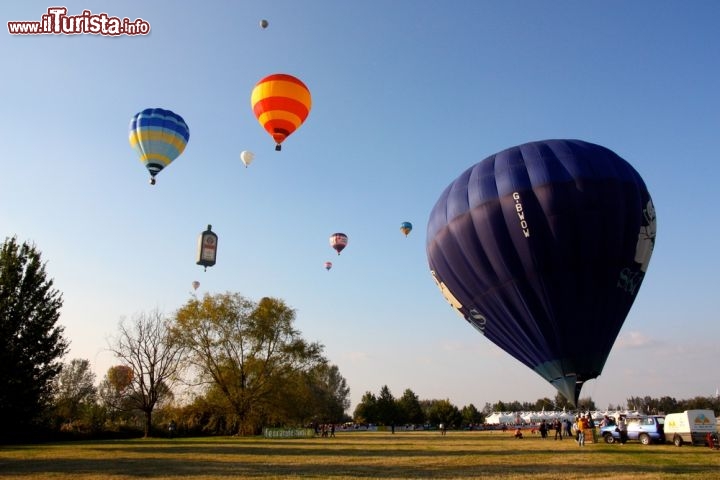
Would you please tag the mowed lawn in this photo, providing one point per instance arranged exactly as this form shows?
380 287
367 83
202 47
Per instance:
363 455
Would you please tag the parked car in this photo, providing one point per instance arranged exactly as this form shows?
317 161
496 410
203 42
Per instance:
646 429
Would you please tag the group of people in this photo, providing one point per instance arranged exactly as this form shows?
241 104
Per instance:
562 428
325 430
583 425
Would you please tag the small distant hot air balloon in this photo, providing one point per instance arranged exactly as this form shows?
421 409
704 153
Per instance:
406 228
247 157
328 265
264 23
158 136
195 285
281 104
338 241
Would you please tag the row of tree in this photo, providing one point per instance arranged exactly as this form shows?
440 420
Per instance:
385 409
243 362
222 364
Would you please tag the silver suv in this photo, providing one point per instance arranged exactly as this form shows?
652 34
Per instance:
647 429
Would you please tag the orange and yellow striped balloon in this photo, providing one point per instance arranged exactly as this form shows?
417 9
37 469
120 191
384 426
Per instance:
281 104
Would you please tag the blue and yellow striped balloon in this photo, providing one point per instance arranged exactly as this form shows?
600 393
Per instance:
158 136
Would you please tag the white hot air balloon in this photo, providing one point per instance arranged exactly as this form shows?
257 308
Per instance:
247 157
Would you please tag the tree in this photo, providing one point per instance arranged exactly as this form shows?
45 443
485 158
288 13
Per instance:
245 349
562 403
318 395
75 392
543 404
471 415
148 348
386 409
115 390
330 393
32 342
366 410
500 406
442 411
409 408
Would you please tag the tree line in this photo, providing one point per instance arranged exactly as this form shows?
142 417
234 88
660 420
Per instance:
221 364
409 409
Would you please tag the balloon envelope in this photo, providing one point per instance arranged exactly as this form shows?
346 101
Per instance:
195 285
264 23
542 248
328 265
158 136
338 241
406 228
247 157
281 103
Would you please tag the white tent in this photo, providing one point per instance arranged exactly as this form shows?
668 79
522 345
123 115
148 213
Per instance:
500 417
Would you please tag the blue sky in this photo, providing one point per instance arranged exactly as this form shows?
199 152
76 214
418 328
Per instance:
406 95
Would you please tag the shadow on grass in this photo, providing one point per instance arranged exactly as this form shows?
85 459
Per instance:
327 458
172 467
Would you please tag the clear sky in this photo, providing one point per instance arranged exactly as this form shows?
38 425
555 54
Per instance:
406 95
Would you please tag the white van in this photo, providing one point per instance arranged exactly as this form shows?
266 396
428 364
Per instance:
690 426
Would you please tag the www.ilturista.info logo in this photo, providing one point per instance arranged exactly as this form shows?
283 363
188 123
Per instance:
57 22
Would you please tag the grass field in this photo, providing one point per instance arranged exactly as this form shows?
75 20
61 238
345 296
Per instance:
363 455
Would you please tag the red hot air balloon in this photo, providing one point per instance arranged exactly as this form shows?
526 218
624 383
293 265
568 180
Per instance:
338 241
328 265
281 104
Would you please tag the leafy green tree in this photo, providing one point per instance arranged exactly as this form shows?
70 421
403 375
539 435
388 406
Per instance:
366 410
330 393
562 403
32 342
115 390
442 411
586 405
542 404
147 347
409 408
698 403
318 395
500 406
471 415
247 350
386 409
75 393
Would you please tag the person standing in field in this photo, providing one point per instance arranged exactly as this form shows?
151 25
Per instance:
622 430
557 426
543 429
581 425
591 426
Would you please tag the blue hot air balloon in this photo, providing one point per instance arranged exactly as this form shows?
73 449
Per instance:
158 136
542 248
